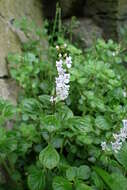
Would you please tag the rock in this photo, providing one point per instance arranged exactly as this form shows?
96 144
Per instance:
108 14
49 8
11 38
8 43
9 10
85 33
32 9
8 90
71 7
122 10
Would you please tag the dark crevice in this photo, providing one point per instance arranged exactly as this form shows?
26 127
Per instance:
4 77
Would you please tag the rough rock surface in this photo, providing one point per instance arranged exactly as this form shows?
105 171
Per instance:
9 41
72 7
9 10
108 14
8 90
86 32
68 7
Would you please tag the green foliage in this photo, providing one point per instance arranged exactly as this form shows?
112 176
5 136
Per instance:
83 172
49 157
61 183
55 146
114 181
122 156
36 179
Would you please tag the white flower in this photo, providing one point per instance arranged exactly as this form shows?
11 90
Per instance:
116 146
59 82
60 70
52 99
60 55
57 47
120 138
124 123
68 61
124 94
66 78
104 146
63 79
65 55
113 54
65 45
59 63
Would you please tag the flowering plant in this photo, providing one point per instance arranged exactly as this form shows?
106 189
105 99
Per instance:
62 86
58 131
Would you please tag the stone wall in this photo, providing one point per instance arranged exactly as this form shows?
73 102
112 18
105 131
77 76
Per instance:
122 10
109 14
9 39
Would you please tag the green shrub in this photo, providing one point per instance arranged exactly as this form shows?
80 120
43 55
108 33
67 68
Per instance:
58 146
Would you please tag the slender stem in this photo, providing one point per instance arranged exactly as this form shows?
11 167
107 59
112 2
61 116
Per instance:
11 165
9 171
54 107
55 22
6 166
60 24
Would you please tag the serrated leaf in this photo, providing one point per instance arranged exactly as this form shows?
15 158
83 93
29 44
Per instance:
36 179
60 183
83 172
102 123
49 157
82 124
85 139
71 173
82 186
114 181
97 181
63 112
45 100
50 123
121 156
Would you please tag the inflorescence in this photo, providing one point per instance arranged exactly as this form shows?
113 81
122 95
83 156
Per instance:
119 139
63 64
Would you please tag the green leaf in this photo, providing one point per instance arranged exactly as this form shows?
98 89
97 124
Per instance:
50 123
85 139
114 181
121 156
105 176
102 123
97 181
83 172
45 100
82 186
7 111
57 142
3 136
71 173
29 132
60 183
82 124
49 157
63 112
36 179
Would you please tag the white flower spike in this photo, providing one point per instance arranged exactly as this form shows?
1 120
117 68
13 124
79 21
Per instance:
63 79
